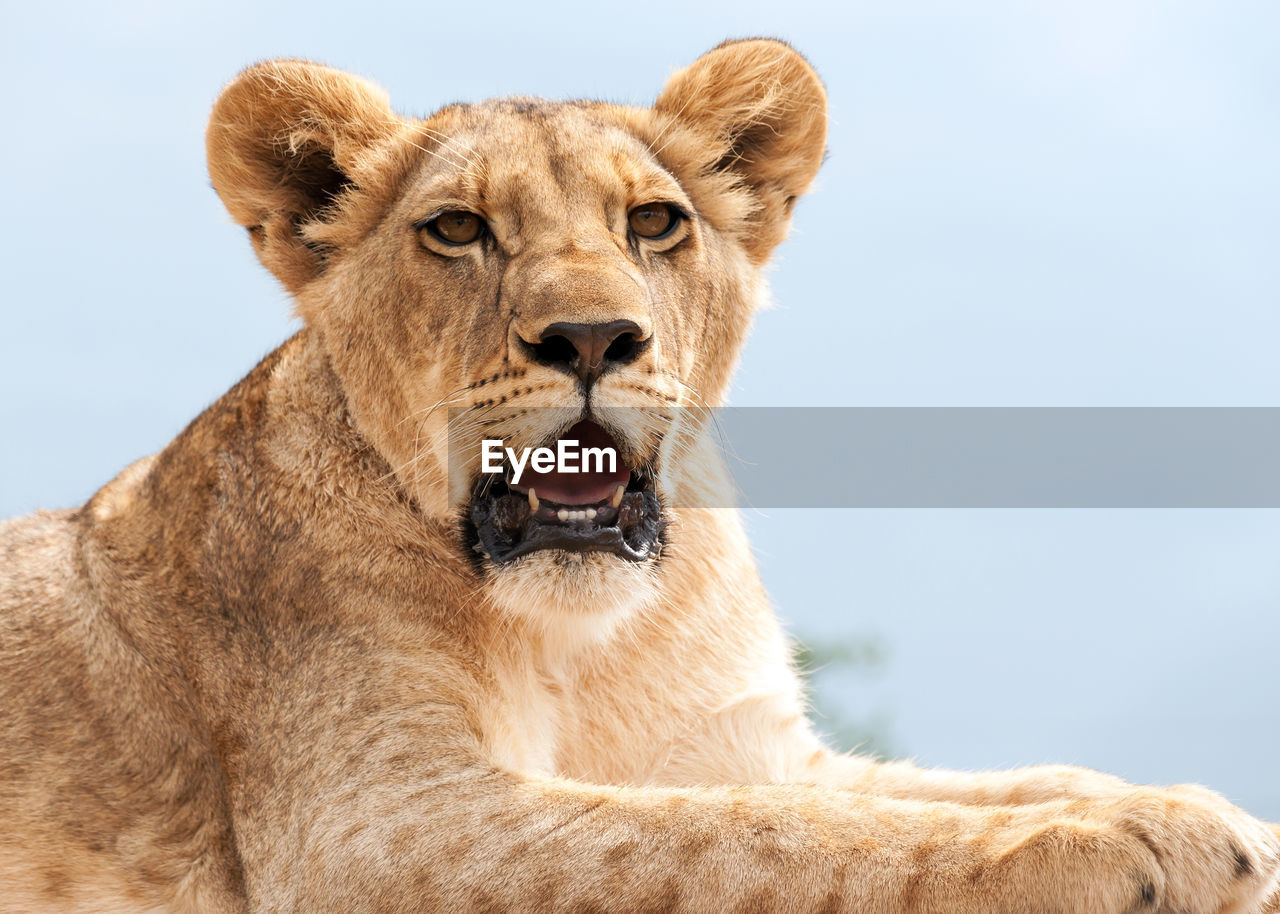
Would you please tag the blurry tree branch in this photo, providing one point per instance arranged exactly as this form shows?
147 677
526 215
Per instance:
829 664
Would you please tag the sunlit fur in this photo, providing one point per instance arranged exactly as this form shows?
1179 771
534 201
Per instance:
263 671
575 600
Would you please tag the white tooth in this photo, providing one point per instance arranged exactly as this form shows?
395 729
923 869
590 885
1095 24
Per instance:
562 514
533 500
618 493
591 513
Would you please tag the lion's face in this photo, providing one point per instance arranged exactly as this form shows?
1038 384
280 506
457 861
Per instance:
530 272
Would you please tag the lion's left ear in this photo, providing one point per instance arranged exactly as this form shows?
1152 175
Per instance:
763 110
286 139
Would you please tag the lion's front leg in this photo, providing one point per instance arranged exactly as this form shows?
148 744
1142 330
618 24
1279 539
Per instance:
402 812
1211 855
483 839
1201 840
1204 843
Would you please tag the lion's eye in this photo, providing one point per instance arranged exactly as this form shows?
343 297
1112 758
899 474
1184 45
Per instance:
456 227
653 220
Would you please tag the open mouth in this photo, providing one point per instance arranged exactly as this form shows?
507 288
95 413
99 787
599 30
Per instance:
594 509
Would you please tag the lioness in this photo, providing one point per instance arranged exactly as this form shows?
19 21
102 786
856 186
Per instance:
293 663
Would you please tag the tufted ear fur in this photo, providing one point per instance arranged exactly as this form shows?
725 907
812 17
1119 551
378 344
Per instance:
763 111
286 139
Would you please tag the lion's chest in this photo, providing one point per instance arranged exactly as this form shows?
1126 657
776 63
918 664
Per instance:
523 721
538 735
559 725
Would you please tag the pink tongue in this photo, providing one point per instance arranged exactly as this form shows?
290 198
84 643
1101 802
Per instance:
579 488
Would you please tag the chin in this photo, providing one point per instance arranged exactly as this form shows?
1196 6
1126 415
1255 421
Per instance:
574 599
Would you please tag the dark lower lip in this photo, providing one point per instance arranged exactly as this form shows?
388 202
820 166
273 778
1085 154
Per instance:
502 526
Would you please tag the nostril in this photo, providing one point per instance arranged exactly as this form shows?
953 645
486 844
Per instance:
554 351
623 350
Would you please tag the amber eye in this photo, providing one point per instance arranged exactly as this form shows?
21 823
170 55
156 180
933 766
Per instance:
653 220
456 227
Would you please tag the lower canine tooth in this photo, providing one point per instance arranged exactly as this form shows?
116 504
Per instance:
533 500
617 495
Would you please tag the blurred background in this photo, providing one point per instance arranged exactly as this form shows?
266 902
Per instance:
1073 202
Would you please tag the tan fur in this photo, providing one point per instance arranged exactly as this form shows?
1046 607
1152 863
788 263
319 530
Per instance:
261 672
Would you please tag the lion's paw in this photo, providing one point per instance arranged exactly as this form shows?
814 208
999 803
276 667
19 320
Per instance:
1214 858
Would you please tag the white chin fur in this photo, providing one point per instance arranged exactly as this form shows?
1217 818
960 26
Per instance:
576 599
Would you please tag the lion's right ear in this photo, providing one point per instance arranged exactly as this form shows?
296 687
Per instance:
285 140
758 113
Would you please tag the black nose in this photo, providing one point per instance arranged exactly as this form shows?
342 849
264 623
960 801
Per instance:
588 350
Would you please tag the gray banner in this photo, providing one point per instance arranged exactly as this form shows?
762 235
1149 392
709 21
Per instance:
1003 458
978 457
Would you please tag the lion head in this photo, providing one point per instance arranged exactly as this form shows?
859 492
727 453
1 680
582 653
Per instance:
529 271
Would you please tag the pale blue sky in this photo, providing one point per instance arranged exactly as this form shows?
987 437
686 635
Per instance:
1059 203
